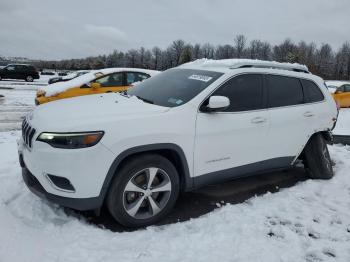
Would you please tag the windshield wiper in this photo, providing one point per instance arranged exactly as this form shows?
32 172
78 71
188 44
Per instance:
145 100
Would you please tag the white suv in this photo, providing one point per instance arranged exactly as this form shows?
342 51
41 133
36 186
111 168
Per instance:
203 122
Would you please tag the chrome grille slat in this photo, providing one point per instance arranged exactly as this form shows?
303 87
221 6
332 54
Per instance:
27 133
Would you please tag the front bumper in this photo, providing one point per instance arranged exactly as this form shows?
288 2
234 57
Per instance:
42 161
76 203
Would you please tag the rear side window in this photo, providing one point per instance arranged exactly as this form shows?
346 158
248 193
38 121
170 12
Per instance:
347 88
245 92
311 91
132 77
284 91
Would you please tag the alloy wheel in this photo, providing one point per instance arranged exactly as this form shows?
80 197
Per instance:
29 79
147 193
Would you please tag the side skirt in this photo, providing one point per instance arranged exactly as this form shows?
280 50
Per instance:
243 171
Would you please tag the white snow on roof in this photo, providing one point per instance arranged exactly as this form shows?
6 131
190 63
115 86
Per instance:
236 63
59 87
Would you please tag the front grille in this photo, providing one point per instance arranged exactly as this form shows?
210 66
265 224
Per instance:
27 133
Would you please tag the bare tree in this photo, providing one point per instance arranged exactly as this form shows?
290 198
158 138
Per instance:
156 52
208 51
320 60
178 47
239 45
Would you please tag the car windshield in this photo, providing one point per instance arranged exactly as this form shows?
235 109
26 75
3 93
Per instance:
174 87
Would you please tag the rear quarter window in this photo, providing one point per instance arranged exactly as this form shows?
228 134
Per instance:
312 91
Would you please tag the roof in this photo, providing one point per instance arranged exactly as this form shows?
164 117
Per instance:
228 64
336 83
59 87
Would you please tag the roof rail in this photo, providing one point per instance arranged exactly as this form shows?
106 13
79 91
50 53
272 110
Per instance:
235 63
269 64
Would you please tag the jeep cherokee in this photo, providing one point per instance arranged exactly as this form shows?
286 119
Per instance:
200 123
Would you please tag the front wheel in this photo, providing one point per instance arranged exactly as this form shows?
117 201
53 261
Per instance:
317 159
29 79
143 191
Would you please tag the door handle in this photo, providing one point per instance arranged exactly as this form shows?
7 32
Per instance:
258 120
308 114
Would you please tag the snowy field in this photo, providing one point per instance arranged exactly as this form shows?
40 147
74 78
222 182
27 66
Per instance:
18 101
308 222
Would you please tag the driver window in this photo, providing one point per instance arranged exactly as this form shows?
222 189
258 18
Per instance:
111 80
245 92
10 68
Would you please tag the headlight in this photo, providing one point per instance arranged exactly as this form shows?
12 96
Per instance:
71 140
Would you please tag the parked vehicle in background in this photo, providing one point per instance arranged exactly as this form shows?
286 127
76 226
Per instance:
194 125
47 73
19 71
340 91
68 76
95 82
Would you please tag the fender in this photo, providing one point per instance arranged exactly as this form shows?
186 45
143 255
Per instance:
187 179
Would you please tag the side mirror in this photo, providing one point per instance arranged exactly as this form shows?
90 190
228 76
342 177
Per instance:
95 85
217 103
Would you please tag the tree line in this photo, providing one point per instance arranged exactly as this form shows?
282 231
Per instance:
321 60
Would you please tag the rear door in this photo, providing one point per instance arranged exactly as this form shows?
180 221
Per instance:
234 141
20 71
289 119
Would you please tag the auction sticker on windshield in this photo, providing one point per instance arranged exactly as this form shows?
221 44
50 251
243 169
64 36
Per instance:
202 78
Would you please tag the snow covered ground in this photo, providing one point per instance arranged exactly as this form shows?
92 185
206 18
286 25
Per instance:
18 101
308 222
343 123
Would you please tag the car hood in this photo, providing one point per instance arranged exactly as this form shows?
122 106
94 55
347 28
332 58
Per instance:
91 110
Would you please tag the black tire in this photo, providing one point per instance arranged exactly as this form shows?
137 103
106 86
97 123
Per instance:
317 159
118 195
29 79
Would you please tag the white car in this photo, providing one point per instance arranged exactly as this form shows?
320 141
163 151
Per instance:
200 123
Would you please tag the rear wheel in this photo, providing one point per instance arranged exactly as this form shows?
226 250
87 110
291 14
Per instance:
144 191
29 79
317 159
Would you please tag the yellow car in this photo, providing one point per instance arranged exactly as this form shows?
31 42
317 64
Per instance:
95 82
341 92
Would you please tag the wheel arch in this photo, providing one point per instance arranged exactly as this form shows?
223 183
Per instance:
326 134
172 152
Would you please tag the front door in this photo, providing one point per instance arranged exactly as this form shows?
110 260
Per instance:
232 142
10 72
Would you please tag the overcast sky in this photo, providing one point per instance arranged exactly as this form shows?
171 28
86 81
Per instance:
45 29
